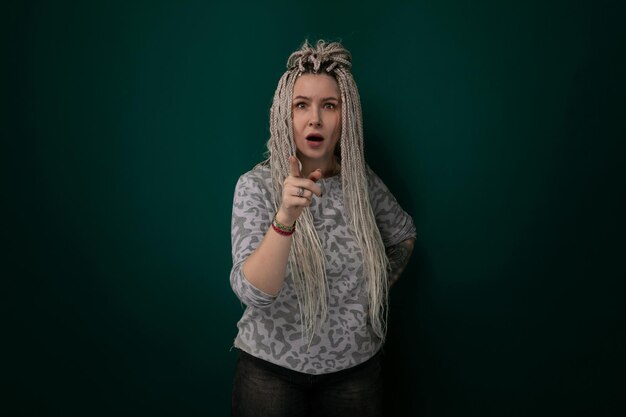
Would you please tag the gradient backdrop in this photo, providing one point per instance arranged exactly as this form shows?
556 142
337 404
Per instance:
498 125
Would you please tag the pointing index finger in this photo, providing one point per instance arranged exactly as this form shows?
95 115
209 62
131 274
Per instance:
294 167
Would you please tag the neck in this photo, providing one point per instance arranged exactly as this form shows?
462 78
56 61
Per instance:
329 167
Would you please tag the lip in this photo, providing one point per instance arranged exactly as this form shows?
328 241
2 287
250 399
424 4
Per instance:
314 140
314 137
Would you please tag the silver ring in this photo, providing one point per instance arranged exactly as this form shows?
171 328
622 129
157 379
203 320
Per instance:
300 192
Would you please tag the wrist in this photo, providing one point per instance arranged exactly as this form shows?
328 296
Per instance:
281 228
283 219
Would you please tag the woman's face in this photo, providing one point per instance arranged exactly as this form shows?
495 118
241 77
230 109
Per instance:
316 116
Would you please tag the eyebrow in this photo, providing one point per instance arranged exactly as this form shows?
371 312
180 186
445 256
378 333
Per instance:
308 98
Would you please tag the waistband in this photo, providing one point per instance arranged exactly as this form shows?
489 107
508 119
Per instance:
272 367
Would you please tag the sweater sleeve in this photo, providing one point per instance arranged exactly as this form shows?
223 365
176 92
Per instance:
394 223
250 222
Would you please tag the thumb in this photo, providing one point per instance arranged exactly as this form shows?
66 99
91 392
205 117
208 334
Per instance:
315 175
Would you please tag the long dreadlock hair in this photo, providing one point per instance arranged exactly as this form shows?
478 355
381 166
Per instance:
306 259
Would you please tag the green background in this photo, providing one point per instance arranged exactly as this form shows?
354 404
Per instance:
498 125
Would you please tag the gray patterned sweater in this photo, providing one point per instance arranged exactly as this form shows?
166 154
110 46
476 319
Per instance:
270 327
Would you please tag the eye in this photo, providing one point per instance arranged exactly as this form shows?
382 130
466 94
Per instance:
330 106
300 105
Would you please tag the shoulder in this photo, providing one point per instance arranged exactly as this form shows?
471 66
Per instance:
380 196
375 184
255 184
260 175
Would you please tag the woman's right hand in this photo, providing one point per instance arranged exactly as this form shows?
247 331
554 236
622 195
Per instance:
292 205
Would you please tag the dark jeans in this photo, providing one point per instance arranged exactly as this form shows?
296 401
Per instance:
262 389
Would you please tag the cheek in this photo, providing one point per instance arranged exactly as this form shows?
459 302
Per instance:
296 122
338 125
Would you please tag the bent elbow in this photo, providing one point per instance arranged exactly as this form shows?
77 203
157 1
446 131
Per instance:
248 293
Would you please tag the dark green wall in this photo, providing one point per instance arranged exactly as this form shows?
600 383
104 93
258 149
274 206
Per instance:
500 128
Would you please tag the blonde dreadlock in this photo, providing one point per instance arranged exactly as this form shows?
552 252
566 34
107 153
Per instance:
306 259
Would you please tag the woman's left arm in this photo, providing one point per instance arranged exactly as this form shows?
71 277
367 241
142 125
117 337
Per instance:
395 225
399 256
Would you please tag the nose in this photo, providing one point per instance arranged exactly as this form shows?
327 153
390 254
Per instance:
315 119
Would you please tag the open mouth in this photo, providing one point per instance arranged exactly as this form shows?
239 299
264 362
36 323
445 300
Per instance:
314 137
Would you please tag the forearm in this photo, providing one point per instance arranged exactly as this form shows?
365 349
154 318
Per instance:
399 256
266 267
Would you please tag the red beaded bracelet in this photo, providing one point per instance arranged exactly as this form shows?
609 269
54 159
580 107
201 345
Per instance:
282 232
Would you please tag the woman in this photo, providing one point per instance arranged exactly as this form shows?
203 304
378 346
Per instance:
317 240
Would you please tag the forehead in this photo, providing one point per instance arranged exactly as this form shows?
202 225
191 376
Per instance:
316 85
